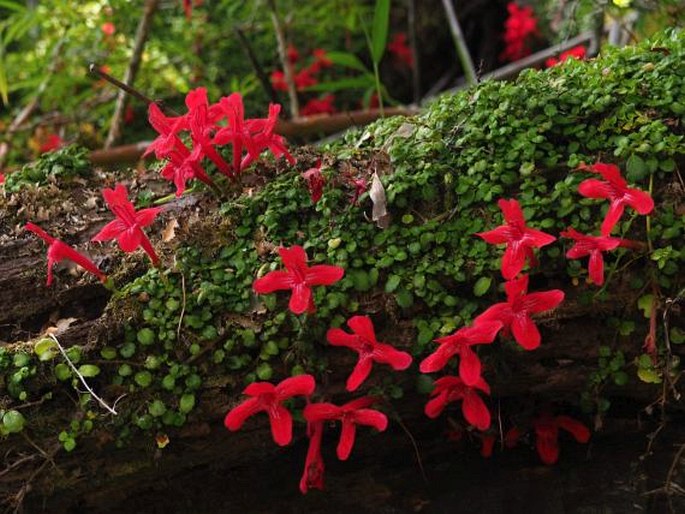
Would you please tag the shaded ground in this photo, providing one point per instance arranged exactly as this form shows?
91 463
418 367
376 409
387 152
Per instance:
610 475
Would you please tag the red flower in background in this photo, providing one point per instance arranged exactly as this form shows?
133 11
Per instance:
127 228
321 57
58 251
519 238
451 389
299 278
108 28
312 477
515 313
547 434
323 105
350 415
202 120
269 398
315 181
2 179
363 341
616 190
520 26
180 170
594 246
400 50
577 52
488 444
292 54
168 129
51 143
278 81
460 344
188 7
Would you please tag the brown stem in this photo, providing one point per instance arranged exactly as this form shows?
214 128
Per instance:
141 37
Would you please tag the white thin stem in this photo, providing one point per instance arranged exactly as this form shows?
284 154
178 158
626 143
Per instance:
81 377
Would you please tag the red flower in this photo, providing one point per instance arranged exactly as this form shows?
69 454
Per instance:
129 115
520 239
298 277
615 190
51 143
400 50
547 435
278 81
577 52
305 77
515 313
460 344
179 169
313 465
518 29
322 105
321 57
363 341
360 187
350 415
188 7
253 136
511 438
202 119
108 28
2 178
127 228
451 389
488 443
315 181
268 398
168 129
293 54
58 251
594 246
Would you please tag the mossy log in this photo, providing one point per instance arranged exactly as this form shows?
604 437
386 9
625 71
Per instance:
174 347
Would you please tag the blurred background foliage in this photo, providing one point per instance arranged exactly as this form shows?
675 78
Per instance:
46 46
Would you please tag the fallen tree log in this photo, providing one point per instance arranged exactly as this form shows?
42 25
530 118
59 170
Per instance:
173 347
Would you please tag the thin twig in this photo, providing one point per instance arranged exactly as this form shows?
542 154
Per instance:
287 65
141 38
183 307
460 44
417 454
256 66
83 380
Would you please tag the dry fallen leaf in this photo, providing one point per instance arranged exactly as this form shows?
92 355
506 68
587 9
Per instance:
169 231
60 326
380 205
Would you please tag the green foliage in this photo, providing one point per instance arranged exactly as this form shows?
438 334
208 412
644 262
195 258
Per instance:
58 166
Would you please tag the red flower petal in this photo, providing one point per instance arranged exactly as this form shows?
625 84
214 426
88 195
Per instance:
322 412
499 235
110 231
525 332
237 416
338 337
281 425
475 411
438 359
469 366
371 418
273 281
301 299
362 326
513 260
323 275
258 388
579 431
641 201
387 354
593 188
596 268
347 436
612 217
543 301
488 445
436 405
547 448
130 239
301 385
359 373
